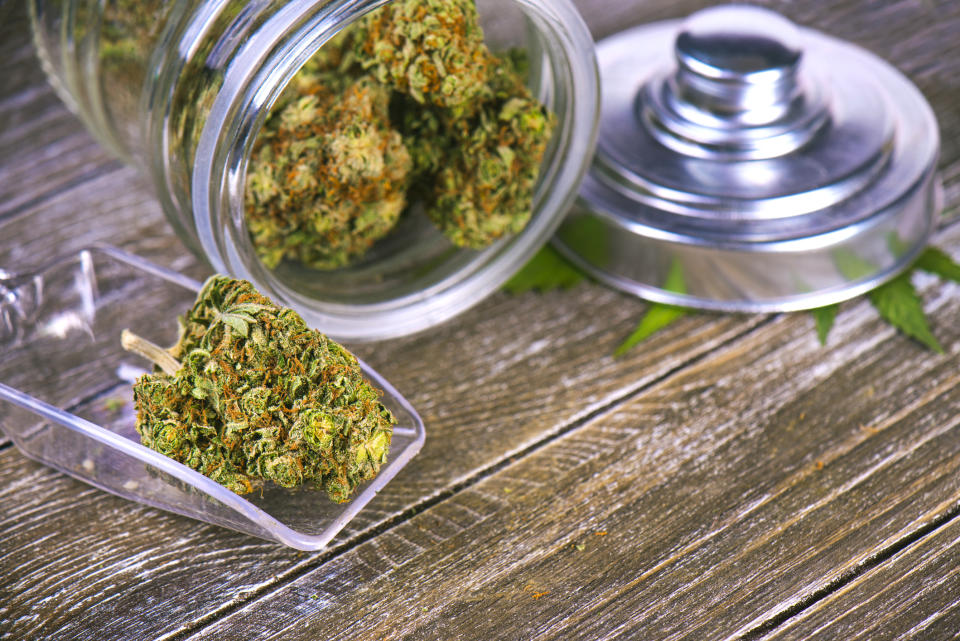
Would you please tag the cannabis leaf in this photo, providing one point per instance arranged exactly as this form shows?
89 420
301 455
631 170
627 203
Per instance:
546 271
938 262
897 301
658 316
898 304
852 266
824 318
239 322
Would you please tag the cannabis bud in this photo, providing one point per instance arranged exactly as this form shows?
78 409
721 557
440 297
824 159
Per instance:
329 176
484 189
407 105
250 394
431 50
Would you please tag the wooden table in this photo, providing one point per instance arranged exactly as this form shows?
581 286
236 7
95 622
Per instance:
728 478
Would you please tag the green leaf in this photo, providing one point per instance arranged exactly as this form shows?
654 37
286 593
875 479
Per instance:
896 245
248 308
658 315
546 271
898 304
549 270
936 261
675 281
239 322
824 318
588 236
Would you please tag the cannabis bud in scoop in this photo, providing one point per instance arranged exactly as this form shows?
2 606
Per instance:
251 394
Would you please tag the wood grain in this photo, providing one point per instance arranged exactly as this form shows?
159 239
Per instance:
474 415
697 454
702 508
43 148
565 378
913 595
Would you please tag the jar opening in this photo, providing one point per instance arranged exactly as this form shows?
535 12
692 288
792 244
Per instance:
414 276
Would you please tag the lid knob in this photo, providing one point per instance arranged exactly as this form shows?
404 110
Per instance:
737 92
740 43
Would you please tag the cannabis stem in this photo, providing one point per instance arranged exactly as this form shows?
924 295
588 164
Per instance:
150 351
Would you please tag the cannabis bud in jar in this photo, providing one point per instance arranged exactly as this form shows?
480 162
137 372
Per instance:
406 107
251 394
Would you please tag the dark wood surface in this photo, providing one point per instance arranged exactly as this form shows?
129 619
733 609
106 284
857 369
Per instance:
729 478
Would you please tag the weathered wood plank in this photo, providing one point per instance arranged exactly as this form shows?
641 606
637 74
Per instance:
112 208
135 213
82 216
67 158
913 595
43 148
559 350
116 545
555 336
701 508
550 343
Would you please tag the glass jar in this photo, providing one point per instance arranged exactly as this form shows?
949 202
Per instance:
182 88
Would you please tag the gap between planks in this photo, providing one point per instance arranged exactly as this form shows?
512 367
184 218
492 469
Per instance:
479 475
800 472
491 469
855 573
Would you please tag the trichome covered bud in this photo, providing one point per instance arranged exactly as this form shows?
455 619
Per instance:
408 104
259 396
431 50
329 175
485 190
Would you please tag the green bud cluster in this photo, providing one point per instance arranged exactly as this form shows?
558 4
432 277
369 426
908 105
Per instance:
259 396
481 187
331 178
408 104
430 50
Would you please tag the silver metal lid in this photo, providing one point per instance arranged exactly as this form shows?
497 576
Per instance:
746 164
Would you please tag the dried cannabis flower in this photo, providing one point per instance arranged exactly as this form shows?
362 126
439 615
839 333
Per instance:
251 394
431 50
409 104
329 177
484 188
